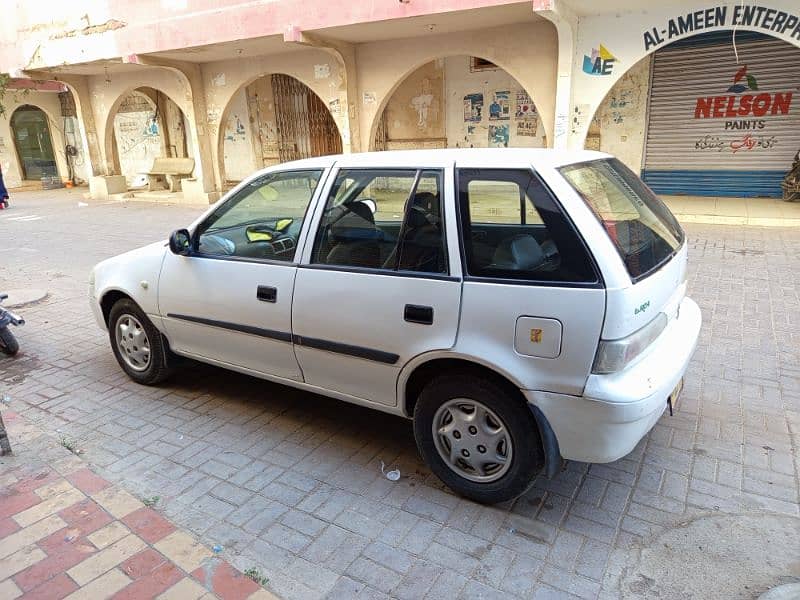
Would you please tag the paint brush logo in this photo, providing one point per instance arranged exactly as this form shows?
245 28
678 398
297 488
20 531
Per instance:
741 74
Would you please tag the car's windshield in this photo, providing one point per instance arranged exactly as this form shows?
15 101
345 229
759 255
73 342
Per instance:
640 225
284 195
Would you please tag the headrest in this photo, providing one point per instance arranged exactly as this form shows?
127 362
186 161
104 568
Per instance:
421 211
424 200
521 252
357 223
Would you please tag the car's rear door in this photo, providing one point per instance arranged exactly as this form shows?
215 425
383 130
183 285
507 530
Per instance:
533 301
376 289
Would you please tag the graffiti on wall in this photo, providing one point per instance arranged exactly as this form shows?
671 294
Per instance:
138 141
618 104
422 105
235 130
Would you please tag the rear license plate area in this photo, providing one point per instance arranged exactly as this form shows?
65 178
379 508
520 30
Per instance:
672 399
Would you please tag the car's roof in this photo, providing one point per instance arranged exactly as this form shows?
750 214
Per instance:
472 157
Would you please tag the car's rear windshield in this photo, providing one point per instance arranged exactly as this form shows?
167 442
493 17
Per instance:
640 225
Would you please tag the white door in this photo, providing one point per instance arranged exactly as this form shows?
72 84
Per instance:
230 299
376 288
532 298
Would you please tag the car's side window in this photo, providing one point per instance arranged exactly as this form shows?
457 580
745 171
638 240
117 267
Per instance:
512 228
263 220
388 219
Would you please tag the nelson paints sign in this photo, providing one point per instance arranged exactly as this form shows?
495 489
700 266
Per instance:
737 105
744 107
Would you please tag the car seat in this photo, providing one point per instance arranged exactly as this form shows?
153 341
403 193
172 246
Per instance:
518 253
420 246
355 239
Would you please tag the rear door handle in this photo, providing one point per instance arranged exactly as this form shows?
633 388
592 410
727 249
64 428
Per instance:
414 313
267 294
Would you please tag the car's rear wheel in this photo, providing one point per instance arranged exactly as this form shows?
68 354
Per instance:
480 440
138 346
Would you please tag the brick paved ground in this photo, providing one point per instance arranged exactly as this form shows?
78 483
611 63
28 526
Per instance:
67 533
290 482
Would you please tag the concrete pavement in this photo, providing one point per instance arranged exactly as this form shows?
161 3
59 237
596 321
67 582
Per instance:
67 533
291 482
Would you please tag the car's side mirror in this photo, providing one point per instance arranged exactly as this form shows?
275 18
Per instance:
180 242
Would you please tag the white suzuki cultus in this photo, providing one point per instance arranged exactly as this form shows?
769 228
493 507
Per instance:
522 306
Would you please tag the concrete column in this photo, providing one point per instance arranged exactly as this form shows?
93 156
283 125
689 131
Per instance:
349 122
348 57
83 104
566 23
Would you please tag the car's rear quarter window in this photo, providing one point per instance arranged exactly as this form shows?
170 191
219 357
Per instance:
513 228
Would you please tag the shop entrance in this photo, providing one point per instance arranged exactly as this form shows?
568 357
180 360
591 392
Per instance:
33 143
274 119
305 125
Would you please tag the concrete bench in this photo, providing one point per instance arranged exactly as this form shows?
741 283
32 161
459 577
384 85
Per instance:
169 171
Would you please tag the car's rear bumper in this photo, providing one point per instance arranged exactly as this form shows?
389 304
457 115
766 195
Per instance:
617 410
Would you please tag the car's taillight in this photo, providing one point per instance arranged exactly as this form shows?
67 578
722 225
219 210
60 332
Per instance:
615 355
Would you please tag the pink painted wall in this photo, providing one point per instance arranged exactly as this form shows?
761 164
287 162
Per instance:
33 37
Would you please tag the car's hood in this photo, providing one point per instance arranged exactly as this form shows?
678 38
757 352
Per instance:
145 253
133 273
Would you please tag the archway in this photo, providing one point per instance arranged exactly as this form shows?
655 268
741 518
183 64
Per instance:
145 124
272 119
695 121
458 102
34 145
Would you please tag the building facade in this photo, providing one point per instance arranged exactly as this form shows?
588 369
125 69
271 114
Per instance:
700 99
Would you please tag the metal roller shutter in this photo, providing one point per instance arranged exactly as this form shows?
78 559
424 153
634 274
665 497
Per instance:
718 128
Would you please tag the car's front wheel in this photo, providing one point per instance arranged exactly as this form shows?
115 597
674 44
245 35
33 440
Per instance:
138 346
480 440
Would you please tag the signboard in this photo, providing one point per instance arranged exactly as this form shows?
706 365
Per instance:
770 20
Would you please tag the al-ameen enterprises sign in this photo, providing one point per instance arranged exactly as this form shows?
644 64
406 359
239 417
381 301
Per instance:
769 20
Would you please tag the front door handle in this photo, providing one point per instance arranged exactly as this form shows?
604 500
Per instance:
267 294
414 313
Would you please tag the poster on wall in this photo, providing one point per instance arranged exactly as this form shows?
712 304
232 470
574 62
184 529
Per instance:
524 108
499 109
527 127
498 136
473 108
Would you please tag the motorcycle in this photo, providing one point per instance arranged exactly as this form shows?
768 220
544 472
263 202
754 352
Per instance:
8 343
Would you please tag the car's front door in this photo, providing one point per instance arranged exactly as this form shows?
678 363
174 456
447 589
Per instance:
376 289
230 300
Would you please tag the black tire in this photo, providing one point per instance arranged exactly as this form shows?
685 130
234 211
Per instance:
158 368
8 343
526 458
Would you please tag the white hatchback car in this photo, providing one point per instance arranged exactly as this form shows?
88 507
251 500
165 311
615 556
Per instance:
523 306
